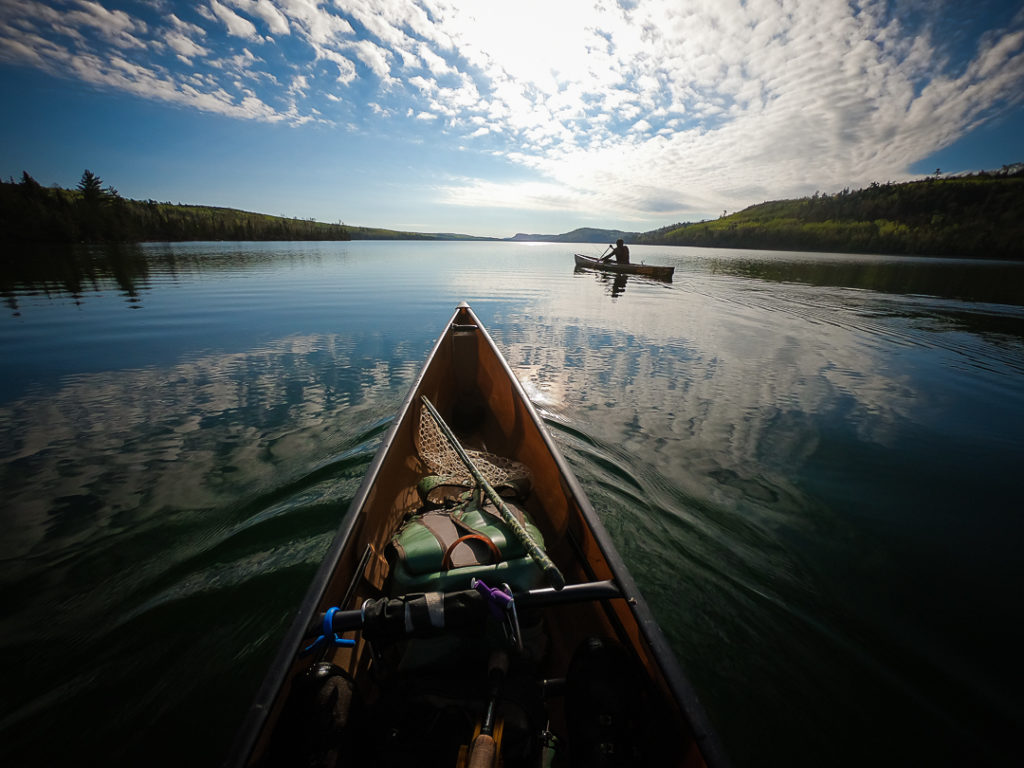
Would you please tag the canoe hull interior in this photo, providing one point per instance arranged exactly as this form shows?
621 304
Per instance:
445 678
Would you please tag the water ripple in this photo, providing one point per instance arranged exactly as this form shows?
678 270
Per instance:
808 463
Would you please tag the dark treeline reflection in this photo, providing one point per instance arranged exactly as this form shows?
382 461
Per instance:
988 282
74 270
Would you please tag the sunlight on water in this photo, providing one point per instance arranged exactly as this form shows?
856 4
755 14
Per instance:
807 461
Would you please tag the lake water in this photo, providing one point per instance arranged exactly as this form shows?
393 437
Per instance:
810 462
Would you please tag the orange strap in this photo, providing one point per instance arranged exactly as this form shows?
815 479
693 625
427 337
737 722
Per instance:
446 563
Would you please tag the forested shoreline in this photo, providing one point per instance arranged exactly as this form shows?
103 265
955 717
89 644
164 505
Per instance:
32 213
977 216
973 216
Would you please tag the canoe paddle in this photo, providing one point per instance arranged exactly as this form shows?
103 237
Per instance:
602 257
554 576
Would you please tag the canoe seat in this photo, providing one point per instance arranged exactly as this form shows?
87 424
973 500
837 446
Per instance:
444 549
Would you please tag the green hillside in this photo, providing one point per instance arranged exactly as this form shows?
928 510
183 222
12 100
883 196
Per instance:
980 216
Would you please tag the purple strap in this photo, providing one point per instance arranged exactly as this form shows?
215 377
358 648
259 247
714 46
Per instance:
497 599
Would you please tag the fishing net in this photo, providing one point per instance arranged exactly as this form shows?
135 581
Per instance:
504 475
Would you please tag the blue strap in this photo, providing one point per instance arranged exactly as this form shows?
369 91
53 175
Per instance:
328 632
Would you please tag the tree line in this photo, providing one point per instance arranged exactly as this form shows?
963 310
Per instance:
976 215
31 213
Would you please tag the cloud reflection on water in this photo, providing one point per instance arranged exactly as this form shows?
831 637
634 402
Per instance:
712 383
186 450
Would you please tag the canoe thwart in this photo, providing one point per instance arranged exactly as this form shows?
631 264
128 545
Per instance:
434 613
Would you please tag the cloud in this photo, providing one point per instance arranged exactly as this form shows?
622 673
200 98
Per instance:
30 49
124 75
276 21
236 25
424 85
512 195
374 57
434 62
318 25
116 50
669 106
117 26
185 27
300 84
346 69
184 46
739 100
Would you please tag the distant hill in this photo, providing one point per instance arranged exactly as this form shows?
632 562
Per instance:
978 215
582 235
373 233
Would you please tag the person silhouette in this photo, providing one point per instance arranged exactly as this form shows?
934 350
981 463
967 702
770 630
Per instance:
620 251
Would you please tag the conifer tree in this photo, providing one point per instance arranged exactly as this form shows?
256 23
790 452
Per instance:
28 183
91 186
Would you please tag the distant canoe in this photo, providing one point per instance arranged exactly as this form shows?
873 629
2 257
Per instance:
647 270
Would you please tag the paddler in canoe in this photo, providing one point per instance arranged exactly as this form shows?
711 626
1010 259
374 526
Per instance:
622 264
620 251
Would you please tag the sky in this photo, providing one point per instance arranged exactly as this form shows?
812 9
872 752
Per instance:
491 117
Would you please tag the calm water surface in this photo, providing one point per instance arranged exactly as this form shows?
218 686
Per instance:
810 462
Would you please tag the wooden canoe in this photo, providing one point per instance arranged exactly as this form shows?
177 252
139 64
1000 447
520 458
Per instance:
647 270
581 670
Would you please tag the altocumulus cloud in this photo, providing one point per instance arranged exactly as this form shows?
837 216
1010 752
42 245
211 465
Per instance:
690 107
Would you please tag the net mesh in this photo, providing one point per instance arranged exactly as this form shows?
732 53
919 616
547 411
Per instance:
443 461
